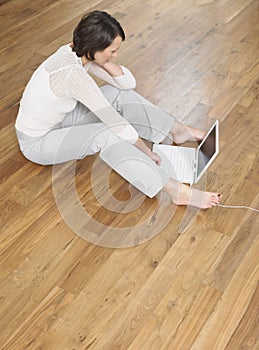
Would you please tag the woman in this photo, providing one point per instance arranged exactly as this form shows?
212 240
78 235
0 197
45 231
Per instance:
64 115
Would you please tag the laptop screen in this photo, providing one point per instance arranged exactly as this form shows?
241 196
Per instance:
207 150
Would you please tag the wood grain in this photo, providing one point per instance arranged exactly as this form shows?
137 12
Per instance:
197 290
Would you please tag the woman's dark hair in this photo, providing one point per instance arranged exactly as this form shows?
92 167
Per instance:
95 32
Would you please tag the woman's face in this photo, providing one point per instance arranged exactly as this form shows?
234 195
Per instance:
101 57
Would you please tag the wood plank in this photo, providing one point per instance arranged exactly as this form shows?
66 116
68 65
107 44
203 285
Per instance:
194 285
235 300
246 334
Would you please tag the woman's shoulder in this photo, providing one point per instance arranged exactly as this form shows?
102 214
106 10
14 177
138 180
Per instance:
63 58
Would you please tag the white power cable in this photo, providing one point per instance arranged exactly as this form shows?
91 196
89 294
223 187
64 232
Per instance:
237 207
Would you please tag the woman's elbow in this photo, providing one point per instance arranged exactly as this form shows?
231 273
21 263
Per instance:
129 86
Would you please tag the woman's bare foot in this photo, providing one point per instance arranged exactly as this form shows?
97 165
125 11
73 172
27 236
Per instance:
184 195
182 133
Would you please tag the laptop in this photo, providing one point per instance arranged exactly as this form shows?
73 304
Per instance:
187 164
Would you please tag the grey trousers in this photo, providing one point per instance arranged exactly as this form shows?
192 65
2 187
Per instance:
81 133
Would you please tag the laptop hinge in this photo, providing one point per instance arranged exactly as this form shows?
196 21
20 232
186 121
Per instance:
194 171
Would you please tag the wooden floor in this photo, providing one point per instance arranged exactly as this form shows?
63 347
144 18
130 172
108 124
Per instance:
195 284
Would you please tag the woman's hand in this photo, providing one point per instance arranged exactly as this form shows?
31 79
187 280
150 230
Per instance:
142 147
112 68
156 158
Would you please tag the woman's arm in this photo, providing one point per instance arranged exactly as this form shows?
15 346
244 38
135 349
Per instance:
113 69
116 71
116 75
80 86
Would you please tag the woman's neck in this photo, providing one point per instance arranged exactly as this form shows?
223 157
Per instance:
84 60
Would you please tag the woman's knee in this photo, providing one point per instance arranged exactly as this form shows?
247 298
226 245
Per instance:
110 92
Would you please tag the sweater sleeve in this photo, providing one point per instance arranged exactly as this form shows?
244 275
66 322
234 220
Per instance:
124 82
83 88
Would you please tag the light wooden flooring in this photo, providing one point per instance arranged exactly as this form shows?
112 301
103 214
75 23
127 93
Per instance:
195 284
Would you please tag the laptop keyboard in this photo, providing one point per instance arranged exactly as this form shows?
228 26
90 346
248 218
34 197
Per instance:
181 166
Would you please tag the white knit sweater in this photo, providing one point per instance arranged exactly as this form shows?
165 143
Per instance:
57 85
